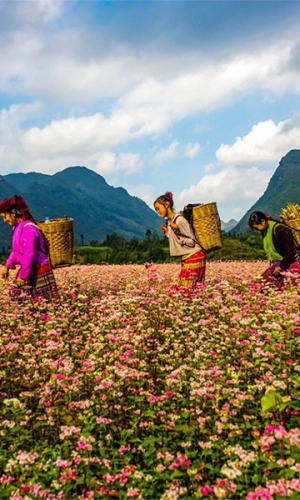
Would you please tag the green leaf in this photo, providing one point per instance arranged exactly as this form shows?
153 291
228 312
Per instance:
150 440
182 427
270 400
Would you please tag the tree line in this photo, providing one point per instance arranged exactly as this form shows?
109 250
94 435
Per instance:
115 249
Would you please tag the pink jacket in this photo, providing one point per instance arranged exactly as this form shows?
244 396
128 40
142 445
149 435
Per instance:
28 249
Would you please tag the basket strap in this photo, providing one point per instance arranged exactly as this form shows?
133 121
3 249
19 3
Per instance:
181 234
34 225
297 246
31 224
290 227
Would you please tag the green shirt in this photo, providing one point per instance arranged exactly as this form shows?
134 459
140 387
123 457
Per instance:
269 247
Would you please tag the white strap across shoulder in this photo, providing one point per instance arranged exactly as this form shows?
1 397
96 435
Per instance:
31 224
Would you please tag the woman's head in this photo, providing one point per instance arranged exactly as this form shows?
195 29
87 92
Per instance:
163 204
259 221
17 207
11 217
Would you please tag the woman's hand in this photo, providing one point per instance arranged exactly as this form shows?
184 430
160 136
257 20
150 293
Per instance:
5 273
175 229
277 271
164 229
20 282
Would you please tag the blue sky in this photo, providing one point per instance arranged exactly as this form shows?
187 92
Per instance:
201 98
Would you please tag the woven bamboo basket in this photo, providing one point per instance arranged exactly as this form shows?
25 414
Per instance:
207 226
60 236
294 224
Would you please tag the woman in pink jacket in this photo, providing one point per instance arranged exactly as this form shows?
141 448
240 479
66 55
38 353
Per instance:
34 277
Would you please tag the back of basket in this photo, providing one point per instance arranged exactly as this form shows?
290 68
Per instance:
60 237
207 226
295 227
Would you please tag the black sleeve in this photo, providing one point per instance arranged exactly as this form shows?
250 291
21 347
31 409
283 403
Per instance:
284 244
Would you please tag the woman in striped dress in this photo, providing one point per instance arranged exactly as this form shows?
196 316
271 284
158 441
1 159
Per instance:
34 278
182 241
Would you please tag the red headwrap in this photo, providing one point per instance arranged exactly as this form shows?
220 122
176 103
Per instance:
16 202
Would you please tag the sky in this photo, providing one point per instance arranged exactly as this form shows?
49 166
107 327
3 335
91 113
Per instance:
201 98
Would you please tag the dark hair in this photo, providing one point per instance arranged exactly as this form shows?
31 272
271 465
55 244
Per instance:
256 218
168 196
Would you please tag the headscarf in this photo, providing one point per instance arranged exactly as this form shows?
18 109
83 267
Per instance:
16 204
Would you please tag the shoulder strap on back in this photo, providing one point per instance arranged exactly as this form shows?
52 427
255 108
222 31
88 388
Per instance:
31 224
45 241
181 234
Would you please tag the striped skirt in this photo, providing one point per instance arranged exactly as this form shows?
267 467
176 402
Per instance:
41 284
192 269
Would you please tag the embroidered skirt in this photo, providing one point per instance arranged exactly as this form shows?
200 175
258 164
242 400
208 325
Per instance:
192 269
41 284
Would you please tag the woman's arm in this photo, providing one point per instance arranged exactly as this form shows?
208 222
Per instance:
28 243
185 229
11 263
284 244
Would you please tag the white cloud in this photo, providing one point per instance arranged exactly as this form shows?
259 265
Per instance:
210 167
39 10
73 134
109 163
145 192
215 85
191 150
149 96
239 212
26 14
11 150
147 110
174 150
265 143
83 141
231 188
92 68
129 163
167 154
106 163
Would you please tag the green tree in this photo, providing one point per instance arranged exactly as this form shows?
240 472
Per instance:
114 240
95 243
156 254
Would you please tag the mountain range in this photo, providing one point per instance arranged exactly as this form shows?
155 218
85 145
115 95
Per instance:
99 209
77 192
228 226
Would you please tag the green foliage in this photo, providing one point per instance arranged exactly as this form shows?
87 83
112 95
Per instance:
116 250
92 255
242 247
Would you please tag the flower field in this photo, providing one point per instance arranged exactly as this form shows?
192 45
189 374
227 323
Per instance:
129 388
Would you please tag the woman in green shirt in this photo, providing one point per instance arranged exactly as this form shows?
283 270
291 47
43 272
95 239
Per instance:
280 246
